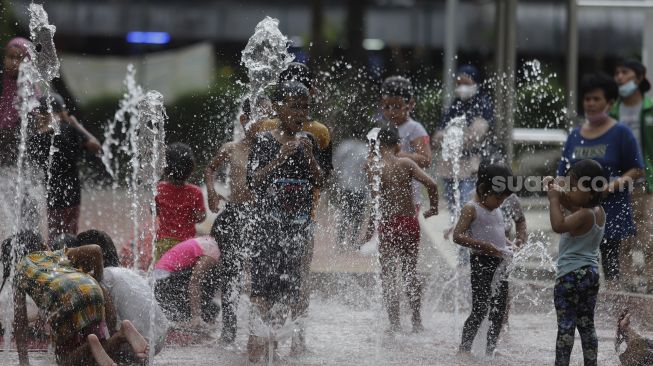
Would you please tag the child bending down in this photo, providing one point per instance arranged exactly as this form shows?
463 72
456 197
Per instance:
399 231
481 228
577 277
80 312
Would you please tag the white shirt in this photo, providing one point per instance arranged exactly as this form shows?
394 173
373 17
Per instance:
133 298
630 117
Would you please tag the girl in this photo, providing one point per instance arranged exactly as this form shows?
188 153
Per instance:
577 277
481 228
186 281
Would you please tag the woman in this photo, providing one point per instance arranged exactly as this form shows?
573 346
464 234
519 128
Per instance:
613 145
15 52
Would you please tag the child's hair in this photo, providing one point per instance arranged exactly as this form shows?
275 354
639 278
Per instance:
493 179
397 86
388 137
297 71
601 81
247 105
290 89
180 162
109 253
26 242
594 179
64 241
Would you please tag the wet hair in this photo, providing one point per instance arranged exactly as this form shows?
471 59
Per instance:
25 242
56 101
297 71
64 241
594 177
290 89
492 179
180 162
109 253
388 137
247 105
397 86
601 81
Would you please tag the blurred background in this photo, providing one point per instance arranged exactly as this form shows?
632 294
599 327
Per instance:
190 52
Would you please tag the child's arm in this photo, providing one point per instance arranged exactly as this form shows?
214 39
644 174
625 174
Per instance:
89 258
91 143
259 175
316 170
200 270
520 229
20 326
420 175
213 197
460 236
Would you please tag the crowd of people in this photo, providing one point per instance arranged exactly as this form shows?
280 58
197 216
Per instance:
99 311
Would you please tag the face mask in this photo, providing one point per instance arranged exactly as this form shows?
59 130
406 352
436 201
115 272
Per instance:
627 89
465 92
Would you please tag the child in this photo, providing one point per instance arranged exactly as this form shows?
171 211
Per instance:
179 205
232 227
283 172
186 280
63 186
131 295
399 231
577 277
78 309
639 351
481 228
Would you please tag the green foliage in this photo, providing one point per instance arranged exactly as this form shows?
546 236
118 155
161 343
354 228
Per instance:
540 99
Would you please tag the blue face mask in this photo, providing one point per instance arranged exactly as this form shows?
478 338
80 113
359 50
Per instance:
627 89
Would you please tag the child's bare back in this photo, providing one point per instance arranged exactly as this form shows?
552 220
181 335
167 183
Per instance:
397 187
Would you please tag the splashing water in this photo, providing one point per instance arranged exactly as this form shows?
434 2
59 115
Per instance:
452 151
41 34
265 57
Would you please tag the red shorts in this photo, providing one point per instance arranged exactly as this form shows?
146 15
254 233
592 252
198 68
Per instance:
400 231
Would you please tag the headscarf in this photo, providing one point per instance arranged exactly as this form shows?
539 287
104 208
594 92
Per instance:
8 113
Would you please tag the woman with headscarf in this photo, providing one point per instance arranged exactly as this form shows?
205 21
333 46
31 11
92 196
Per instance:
15 52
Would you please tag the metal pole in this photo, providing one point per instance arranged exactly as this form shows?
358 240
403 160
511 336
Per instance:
510 70
572 60
647 40
499 62
449 50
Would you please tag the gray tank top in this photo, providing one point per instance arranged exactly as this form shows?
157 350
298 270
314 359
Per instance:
488 226
575 252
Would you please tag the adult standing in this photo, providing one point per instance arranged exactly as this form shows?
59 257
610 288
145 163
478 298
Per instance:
15 52
477 109
612 144
635 110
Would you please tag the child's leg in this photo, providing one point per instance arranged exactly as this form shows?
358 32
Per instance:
389 261
412 282
566 302
482 271
230 295
256 347
499 304
588 289
99 354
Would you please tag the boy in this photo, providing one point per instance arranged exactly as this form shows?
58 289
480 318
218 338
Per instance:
231 227
399 231
63 186
397 101
80 313
283 172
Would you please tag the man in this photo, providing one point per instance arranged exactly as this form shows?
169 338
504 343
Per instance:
635 110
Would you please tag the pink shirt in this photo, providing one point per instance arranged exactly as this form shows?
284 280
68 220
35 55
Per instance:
185 254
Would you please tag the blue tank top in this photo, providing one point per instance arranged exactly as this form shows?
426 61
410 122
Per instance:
575 252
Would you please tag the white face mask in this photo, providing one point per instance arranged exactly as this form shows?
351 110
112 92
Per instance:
465 92
627 89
